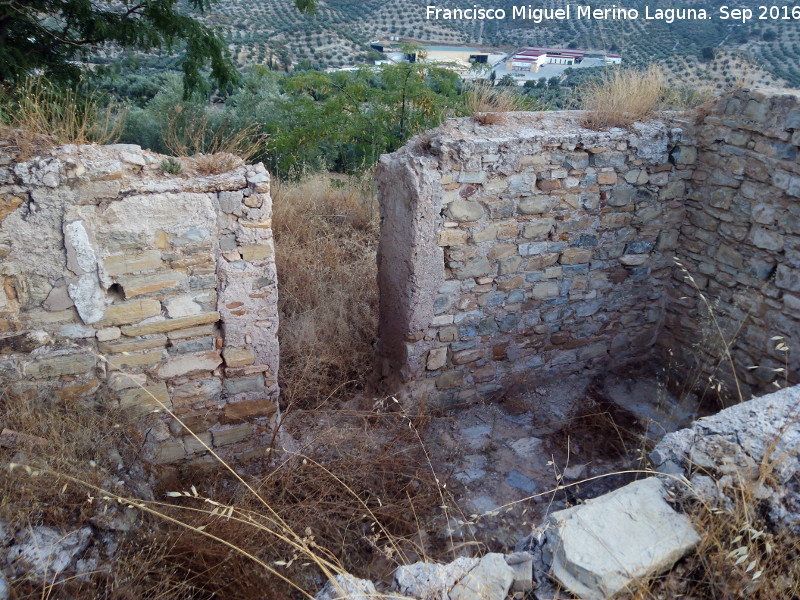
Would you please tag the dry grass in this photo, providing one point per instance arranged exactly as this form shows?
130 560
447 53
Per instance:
326 234
489 104
349 493
216 147
340 501
62 436
65 115
740 554
622 97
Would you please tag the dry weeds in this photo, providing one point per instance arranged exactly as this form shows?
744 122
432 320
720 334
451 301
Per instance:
65 115
217 147
488 104
622 97
339 501
326 233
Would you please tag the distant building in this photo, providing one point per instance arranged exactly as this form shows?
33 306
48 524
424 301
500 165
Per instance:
461 58
530 60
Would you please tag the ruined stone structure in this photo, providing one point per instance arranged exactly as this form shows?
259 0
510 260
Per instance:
509 253
121 282
537 247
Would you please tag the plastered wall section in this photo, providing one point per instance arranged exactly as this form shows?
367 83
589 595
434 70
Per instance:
740 243
120 282
523 251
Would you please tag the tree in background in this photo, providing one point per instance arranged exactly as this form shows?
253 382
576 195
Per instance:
50 37
507 80
707 54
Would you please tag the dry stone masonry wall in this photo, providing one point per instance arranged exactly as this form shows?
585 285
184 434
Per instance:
741 244
536 247
528 249
121 282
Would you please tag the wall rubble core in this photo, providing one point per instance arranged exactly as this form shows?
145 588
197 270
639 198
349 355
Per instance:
114 275
528 250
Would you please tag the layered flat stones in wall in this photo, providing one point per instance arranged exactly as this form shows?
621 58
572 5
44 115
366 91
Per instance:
740 242
528 249
144 288
534 248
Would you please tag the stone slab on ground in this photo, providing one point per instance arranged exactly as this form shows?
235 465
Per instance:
430 581
599 548
344 586
46 551
490 580
522 565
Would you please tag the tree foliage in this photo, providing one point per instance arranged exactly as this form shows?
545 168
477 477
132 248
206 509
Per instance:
314 120
51 37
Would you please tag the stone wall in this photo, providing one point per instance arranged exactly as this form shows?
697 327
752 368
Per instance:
535 248
741 244
118 281
531 248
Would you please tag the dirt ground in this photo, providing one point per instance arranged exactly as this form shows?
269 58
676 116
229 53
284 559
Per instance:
508 464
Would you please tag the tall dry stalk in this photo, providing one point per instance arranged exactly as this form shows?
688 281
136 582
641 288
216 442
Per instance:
622 97
65 115
488 104
192 132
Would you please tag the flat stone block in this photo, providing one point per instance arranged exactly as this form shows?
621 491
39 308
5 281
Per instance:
56 366
200 331
599 548
242 385
188 364
158 341
139 285
490 580
231 435
437 358
452 237
145 399
123 264
170 324
138 360
193 445
256 251
246 410
125 313
238 357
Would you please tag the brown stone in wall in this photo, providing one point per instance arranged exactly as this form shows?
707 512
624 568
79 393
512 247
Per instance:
245 410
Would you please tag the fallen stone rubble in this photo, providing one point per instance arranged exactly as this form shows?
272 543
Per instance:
594 550
600 548
597 549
